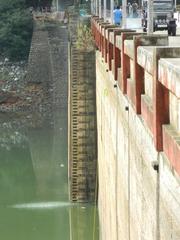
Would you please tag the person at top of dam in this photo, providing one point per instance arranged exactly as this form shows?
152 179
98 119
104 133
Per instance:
117 15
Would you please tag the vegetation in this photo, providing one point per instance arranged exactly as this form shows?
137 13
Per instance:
84 38
39 3
15 29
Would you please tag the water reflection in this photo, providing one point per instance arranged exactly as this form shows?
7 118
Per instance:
17 179
83 223
33 183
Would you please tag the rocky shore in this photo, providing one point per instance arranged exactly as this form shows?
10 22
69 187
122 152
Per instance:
32 93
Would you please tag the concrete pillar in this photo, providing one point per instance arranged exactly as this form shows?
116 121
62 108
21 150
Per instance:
105 7
100 9
112 9
96 7
92 7
57 5
150 17
124 13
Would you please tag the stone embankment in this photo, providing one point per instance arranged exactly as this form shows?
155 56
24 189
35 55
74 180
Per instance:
33 95
43 85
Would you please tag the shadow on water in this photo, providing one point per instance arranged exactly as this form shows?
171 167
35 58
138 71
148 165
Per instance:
34 184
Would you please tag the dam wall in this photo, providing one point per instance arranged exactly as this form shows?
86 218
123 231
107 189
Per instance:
138 116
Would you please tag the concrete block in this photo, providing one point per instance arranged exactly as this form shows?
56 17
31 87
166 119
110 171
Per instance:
132 70
174 113
168 74
148 83
111 37
145 58
147 111
129 48
118 42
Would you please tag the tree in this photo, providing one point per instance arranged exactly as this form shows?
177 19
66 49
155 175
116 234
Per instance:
38 3
15 29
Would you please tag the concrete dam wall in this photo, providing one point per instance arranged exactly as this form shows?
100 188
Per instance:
138 134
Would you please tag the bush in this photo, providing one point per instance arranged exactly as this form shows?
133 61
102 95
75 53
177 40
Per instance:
84 38
15 29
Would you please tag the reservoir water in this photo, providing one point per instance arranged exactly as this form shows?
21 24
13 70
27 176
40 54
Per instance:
34 201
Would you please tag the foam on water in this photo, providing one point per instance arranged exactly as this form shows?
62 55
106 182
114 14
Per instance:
42 205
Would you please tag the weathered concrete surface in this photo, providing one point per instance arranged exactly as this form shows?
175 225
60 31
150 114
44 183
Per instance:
58 47
145 58
135 201
129 48
169 206
39 67
169 72
82 126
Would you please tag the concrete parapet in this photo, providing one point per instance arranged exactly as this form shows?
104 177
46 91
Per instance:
161 94
104 45
125 62
137 73
137 62
95 21
168 75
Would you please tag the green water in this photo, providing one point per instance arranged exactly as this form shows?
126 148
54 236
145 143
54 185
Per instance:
34 186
